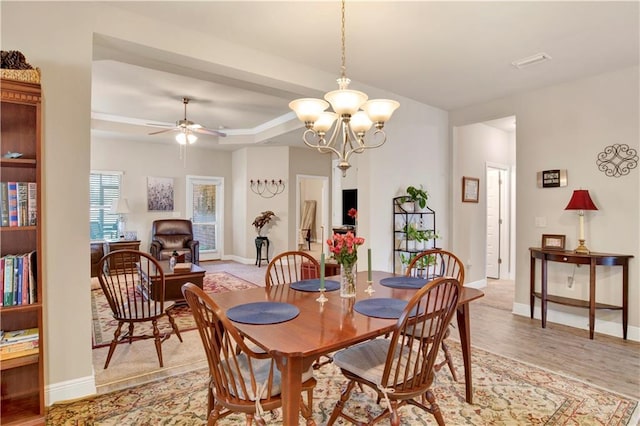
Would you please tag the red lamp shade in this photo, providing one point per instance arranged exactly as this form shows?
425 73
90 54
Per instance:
580 200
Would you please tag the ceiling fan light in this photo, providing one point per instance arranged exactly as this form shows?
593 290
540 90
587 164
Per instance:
346 102
308 109
191 138
380 110
181 138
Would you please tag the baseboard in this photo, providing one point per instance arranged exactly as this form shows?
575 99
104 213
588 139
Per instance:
70 390
243 260
610 328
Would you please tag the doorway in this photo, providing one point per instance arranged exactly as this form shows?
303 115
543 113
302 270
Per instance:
205 204
313 188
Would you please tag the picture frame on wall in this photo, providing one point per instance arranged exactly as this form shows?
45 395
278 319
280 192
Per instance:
553 241
160 194
470 189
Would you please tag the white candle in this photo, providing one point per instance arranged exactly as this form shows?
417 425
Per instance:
322 271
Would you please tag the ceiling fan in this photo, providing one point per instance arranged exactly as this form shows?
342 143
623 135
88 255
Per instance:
186 128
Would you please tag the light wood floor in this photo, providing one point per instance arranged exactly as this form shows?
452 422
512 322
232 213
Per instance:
609 362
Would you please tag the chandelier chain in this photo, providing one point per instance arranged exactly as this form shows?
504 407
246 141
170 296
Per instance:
343 68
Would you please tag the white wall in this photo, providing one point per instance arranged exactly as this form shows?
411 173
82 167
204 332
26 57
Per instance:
140 160
565 127
474 146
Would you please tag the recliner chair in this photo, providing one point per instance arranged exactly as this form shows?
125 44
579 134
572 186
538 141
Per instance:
169 235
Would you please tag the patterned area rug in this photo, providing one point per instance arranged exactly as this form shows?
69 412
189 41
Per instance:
506 392
104 325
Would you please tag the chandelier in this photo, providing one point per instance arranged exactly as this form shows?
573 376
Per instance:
354 113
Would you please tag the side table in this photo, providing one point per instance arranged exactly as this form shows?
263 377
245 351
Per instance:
114 245
261 242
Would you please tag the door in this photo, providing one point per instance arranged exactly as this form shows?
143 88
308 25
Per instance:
205 204
497 229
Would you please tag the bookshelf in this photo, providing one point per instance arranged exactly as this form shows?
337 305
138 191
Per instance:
22 394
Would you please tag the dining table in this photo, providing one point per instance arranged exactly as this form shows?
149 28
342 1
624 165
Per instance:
321 328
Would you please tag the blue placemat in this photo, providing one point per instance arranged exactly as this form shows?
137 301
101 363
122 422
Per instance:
263 312
403 282
314 285
381 307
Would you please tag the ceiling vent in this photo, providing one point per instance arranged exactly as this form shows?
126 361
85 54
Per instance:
531 60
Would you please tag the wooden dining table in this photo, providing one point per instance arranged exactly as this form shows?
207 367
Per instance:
322 328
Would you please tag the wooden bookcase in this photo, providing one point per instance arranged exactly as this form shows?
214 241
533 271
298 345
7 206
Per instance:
22 394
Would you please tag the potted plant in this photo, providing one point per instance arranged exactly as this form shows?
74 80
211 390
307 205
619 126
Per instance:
418 195
261 220
414 236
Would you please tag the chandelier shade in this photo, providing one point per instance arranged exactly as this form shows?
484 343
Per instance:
186 136
352 116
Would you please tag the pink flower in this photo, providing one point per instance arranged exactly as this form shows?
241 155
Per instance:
344 247
352 213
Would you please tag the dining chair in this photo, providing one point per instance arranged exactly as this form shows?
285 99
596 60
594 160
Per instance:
400 368
128 279
430 264
241 379
291 266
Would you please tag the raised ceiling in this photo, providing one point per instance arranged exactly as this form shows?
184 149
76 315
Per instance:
445 54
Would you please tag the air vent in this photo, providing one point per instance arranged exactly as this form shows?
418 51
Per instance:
531 60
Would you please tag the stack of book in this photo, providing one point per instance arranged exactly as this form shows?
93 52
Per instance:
18 279
18 343
18 202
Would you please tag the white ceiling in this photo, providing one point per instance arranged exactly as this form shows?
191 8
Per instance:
445 54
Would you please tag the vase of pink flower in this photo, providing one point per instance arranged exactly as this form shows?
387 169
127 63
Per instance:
344 249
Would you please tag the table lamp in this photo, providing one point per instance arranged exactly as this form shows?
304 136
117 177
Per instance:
120 207
581 201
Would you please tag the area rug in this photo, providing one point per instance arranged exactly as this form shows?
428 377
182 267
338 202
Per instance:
103 324
506 392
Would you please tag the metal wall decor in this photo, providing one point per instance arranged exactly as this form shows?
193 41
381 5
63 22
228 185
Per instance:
617 160
267 188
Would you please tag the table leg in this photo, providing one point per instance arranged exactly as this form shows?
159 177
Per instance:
291 371
532 285
625 297
543 299
592 297
462 314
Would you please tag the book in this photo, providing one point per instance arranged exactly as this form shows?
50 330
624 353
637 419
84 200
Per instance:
22 200
1 288
182 267
19 346
20 335
11 355
12 190
33 275
8 280
4 204
17 282
32 204
25 279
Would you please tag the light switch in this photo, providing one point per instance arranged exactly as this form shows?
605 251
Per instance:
541 222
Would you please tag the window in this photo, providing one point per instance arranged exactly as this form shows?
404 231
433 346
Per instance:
104 189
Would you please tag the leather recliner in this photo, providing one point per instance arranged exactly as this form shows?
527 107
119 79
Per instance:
169 235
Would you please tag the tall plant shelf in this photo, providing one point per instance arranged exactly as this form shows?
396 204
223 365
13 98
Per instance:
408 221
22 377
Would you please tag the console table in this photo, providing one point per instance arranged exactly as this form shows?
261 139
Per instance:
592 259
113 245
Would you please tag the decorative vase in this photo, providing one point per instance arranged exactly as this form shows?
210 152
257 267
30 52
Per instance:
348 280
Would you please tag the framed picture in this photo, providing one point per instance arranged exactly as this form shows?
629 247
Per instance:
470 189
553 242
160 194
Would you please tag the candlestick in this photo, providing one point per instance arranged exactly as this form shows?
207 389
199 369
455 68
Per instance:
322 271
369 264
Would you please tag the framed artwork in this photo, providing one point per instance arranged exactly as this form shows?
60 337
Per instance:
160 194
470 189
553 242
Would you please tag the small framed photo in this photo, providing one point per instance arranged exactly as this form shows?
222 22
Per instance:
470 189
553 242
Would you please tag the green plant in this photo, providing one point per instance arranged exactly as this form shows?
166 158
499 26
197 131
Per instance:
425 261
413 233
418 195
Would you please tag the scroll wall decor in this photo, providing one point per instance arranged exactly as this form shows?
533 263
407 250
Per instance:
267 188
617 160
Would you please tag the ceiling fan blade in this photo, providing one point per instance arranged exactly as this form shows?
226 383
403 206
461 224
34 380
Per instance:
158 125
209 131
162 131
